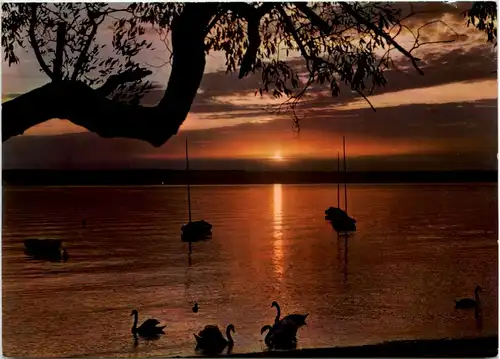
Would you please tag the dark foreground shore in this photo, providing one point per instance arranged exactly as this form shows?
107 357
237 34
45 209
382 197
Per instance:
486 347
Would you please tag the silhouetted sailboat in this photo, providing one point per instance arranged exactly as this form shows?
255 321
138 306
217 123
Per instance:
194 231
339 218
46 249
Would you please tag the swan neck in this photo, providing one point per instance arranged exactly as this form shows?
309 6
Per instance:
266 328
278 312
136 319
228 334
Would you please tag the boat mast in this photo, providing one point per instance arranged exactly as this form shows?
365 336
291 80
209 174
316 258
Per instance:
345 176
188 182
338 180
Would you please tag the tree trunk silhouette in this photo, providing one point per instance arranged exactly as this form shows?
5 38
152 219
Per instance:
89 108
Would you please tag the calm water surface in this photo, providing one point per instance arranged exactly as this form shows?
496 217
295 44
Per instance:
417 248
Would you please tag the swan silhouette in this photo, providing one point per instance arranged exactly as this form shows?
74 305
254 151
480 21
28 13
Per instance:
195 308
469 303
148 329
297 319
269 335
280 336
210 339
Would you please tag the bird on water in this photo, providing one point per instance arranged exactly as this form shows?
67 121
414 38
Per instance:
297 319
148 329
211 341
469 303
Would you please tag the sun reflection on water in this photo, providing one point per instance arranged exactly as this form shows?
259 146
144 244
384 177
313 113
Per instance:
278 230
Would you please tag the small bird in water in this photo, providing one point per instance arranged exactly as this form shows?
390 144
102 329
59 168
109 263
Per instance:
195 308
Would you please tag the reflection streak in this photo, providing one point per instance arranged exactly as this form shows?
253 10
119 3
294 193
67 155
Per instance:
278 230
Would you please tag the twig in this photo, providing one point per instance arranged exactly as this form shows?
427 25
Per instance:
366 99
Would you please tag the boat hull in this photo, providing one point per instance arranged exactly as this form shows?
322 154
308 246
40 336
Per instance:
45 249
196 231
340 221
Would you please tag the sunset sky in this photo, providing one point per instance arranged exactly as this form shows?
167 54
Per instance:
445 119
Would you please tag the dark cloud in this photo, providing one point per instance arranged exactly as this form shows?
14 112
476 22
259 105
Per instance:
440 68
471 64
471 121
427 11
458 131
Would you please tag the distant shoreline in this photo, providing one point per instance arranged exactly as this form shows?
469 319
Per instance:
485 347
221 177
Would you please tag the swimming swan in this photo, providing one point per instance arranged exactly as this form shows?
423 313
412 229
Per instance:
148 329
280 336
211 340
297 319
469 303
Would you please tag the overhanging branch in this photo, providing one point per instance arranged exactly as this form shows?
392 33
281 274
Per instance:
315 19
349 10
253 46
291 29
34 43
85 107
60 42
254 40
89 108
253 16
85 50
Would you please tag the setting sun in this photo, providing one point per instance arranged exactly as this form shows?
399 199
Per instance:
277 156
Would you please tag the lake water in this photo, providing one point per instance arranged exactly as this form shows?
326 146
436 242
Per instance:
417 248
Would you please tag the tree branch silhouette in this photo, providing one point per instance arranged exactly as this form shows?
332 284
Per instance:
34 43
89 108
60 42
349 9
85 49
